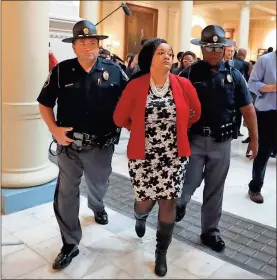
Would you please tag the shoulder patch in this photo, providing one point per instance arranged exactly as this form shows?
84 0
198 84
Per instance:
47 80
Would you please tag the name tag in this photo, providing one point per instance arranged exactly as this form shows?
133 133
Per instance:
68 85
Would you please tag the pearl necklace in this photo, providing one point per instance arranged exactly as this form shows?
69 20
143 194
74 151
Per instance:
159 92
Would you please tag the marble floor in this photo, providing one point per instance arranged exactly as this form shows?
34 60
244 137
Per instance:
114 251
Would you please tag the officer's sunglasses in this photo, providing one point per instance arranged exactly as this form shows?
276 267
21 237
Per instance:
214 49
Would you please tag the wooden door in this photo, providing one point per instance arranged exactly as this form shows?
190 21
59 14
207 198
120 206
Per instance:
142 24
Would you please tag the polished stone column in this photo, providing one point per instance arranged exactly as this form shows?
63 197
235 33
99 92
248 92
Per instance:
25 137
172 37
244 26
89 10
185 24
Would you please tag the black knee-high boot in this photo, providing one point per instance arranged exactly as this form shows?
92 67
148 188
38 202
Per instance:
164 237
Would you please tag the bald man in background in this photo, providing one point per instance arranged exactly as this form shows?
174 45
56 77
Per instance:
241 56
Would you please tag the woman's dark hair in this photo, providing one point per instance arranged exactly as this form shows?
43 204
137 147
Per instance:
143 41
147 52
145 56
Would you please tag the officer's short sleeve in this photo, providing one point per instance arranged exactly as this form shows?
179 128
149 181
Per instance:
243 95
49 92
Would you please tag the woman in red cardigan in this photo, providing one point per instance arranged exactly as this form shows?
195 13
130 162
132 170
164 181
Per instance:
157 107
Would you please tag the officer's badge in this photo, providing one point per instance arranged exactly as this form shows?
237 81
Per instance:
215 38
47 80
106 75
85 30
229 78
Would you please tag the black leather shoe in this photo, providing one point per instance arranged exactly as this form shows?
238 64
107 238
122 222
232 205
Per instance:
101 217
213 241
180 213
247 140
65 257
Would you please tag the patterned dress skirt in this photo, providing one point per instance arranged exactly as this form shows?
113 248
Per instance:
161 174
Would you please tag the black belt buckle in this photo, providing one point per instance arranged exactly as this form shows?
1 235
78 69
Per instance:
89 139
206 131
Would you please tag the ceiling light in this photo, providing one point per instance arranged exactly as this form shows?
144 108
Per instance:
272 18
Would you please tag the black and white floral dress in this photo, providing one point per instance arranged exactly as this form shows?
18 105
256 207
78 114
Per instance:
161 174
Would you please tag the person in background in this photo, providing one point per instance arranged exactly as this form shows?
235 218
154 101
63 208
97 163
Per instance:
104 53
129 70
134 65
229 55
129 58
157 107
269 50
177 64
262 82
251 65
187 59
52 59
241 56
115 58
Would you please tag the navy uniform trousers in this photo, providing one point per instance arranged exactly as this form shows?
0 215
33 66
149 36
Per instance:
95 164
210 162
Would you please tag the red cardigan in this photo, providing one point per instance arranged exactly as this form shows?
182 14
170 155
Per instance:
130 113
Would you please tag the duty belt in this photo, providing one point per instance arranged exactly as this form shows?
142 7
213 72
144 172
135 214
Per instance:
220 134
202 130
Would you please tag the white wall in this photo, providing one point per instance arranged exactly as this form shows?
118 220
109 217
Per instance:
62 51
62 16
64 8
262 35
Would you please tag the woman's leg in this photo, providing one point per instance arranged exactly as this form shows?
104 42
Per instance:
166 222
